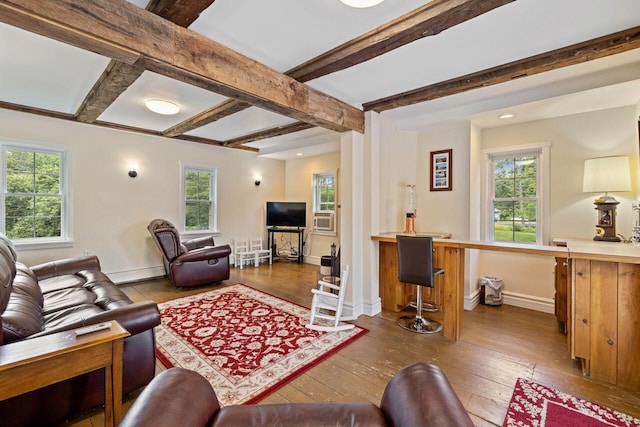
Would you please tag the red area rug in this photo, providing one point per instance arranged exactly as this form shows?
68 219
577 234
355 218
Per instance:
245 342
533 404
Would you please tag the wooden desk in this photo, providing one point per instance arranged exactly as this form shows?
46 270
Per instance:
449 254
32 364
603 297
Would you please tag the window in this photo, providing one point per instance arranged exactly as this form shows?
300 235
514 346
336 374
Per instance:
324 201
516 201
34 194
199 188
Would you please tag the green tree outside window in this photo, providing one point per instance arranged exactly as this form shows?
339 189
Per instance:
515 215
33 194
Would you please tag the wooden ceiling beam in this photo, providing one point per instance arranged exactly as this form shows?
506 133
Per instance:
70 117
269 133
118 76
601 47
430 19
176 52
215 113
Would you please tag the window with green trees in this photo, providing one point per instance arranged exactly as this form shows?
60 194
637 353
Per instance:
33 193
515 199
324 192
200 199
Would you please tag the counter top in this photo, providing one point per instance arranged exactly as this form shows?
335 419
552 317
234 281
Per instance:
602 251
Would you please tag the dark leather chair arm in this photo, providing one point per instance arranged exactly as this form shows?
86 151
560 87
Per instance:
176 397
199 242
204 254
421 395
135 318
65 266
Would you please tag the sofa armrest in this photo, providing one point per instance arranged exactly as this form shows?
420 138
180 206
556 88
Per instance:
65 266
199 242
204 254
176 397
135 318
421 395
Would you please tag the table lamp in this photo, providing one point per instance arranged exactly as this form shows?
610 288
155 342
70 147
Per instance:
603 175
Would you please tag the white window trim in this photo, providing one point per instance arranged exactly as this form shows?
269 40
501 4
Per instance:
543 148
315 210
66 157
213 222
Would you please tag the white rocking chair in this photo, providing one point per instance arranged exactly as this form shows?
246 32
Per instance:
324 301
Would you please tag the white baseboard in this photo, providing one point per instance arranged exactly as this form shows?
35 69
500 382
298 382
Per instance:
544 305
120 277
314 260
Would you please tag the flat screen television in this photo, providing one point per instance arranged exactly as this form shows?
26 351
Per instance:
286 214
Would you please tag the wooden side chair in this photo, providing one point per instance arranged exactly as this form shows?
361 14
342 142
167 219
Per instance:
241 253
255 246
327 306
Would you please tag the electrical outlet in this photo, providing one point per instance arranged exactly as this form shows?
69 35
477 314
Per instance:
87 252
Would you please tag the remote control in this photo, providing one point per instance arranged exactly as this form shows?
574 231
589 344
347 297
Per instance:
93 328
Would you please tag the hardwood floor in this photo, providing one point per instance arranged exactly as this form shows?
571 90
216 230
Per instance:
498 345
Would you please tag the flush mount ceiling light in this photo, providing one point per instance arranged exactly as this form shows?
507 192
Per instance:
361 3
506 116
162 106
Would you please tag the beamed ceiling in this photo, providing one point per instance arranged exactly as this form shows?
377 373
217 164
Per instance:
283 76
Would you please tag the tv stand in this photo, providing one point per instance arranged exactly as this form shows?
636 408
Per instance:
271 241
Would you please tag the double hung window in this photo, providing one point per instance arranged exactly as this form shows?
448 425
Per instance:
35 199
199 189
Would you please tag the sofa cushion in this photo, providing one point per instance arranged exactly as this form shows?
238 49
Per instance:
23 314
58 283
70 315
65 298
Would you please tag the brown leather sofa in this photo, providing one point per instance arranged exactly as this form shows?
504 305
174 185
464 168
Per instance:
418 395
64 295
193 262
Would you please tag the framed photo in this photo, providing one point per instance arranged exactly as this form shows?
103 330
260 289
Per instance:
441 170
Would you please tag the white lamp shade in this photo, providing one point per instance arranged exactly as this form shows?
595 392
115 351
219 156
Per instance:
606 174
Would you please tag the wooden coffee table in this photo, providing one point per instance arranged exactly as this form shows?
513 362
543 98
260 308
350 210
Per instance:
35 363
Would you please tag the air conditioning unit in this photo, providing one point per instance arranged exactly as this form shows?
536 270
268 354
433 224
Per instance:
323 221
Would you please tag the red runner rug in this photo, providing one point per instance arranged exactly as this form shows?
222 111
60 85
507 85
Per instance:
535 405
245 342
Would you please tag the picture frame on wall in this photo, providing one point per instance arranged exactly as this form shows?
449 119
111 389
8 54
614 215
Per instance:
441 170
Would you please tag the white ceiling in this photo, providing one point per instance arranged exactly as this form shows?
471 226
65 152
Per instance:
43 73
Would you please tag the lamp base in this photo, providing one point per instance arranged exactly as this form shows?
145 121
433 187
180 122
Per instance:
607 239
409 225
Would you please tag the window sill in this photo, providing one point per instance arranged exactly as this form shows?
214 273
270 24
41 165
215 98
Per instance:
199 233
34 244
324 233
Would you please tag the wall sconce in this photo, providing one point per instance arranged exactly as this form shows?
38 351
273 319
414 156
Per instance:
258 179
133 170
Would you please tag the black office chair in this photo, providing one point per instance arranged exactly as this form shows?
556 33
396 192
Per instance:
415 265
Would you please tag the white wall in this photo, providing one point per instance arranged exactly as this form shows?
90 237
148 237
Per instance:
444 211
299 188
111 211
528 280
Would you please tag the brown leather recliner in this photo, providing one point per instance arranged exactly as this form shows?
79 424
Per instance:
191 263
417 395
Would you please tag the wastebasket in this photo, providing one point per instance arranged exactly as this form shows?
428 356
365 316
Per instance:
325 265
490 290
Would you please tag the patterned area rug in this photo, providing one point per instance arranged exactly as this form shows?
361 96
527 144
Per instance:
533 404
245 342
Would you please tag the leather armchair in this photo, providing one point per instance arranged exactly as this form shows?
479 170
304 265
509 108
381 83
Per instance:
417 395
191 263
